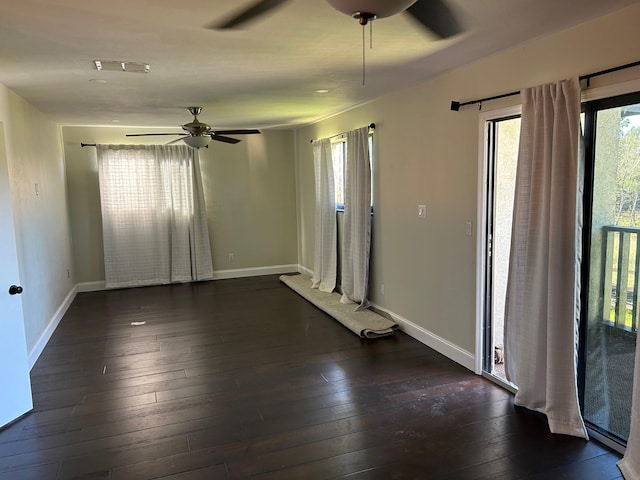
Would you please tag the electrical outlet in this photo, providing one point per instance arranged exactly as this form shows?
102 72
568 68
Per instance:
231 257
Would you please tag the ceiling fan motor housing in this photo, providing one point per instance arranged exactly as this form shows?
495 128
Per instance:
376 8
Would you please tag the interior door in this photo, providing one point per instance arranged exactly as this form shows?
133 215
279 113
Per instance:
15 397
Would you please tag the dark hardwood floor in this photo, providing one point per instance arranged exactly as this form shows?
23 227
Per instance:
244 378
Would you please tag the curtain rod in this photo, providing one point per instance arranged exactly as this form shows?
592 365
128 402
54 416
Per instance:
93 145
455 105
372 126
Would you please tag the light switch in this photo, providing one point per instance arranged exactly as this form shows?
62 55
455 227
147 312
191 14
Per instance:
468 229
422 211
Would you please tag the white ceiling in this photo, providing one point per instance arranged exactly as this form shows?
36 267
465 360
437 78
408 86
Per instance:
265 75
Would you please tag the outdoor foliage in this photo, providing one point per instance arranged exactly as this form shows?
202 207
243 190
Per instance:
628 176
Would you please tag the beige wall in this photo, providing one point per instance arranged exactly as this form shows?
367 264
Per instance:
249 193
426 154
43 240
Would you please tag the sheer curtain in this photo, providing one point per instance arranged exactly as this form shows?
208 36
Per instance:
153 216
630 464
540 317
357 219
326 251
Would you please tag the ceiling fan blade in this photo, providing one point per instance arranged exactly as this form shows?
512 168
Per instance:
151 134
257 9
236 132
436 16
221 138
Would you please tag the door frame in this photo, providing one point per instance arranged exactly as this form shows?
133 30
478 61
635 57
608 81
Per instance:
482 223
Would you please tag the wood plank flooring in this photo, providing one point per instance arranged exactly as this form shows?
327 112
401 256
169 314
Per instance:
244 379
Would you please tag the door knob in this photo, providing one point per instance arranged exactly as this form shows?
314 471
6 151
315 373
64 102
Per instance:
15 290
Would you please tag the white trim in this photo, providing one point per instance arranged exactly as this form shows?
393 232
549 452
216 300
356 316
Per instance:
91 286
439 344
217 275
38 348
481 222
613 90
254 272
501 381
481 242
305 271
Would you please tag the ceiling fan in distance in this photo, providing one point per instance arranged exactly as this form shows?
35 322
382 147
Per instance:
434 15
198 134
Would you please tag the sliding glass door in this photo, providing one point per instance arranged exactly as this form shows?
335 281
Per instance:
502 138
611 267
610 264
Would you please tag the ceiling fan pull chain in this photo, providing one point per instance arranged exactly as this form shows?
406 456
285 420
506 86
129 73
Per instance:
363 57
371 34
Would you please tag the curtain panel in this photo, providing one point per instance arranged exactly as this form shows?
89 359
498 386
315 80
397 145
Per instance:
630 464
325 258
356 244
154 220
541 318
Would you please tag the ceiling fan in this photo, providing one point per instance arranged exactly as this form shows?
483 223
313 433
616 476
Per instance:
434 15
198 134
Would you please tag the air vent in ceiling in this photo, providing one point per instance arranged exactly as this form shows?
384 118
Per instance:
116 66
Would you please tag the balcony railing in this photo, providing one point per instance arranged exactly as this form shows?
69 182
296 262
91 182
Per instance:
620 277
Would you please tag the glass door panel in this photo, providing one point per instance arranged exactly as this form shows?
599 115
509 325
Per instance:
613 137
502 142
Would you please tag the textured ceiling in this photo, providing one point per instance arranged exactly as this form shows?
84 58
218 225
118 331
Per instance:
265 75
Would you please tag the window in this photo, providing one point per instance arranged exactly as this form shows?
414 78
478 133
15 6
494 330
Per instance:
154 223
339 155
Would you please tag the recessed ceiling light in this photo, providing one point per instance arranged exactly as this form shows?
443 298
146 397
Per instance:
322 90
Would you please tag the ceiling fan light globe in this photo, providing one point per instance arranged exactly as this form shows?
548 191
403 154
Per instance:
379 8
198 141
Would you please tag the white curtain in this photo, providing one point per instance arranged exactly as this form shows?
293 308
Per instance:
540 317
630 464
357 220
153 216
326 250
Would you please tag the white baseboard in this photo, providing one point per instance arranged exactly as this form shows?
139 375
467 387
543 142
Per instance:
38 348
439 344
91 287
217 275
254 272
305 271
